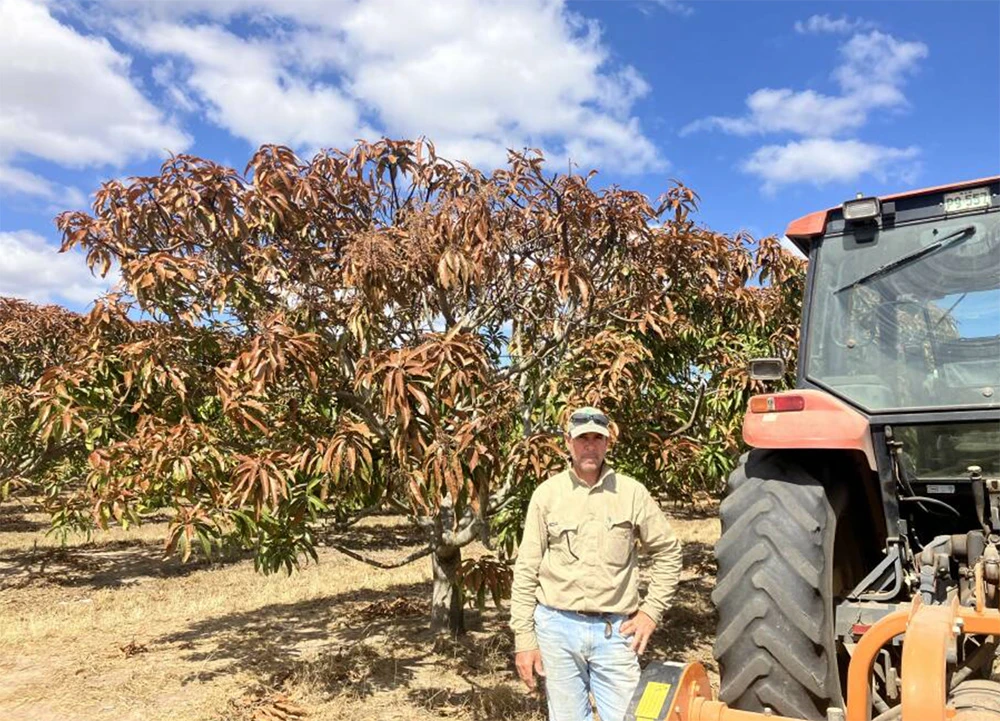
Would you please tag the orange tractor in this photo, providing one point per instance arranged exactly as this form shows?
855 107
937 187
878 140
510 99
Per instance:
859 562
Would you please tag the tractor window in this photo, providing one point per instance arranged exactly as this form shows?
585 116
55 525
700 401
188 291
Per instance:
909 317
947 451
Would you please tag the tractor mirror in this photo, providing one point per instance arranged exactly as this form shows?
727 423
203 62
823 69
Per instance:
767 369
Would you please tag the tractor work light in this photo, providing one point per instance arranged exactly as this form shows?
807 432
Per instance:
777 403
862 209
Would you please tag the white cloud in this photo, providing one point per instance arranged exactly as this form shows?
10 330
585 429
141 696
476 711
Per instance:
165 75
876 64
22 182
823 160
872 71
246 89
871 74
523 74
68 97
825 24
676 7
475 76
35 270
783 110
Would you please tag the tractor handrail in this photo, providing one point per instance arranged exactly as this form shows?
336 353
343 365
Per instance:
930 631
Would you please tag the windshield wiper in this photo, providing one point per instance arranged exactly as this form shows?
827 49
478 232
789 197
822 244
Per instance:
950 239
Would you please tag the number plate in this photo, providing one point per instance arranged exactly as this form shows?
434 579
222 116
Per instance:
963 200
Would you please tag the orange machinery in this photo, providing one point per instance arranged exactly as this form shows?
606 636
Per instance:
682 692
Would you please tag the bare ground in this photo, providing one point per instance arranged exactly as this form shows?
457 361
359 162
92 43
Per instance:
106 629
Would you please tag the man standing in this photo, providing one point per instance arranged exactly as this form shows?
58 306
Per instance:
575 607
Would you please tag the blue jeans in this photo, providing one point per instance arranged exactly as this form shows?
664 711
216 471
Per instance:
579 657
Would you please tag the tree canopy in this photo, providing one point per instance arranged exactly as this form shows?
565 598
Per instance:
384 328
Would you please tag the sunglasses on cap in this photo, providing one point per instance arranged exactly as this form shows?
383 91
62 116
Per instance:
580 418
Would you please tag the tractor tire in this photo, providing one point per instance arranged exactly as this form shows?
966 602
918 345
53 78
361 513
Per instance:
775 640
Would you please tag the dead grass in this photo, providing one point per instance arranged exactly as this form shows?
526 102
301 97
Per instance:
105 629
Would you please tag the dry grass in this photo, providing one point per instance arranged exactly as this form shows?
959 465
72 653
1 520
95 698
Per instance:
105 629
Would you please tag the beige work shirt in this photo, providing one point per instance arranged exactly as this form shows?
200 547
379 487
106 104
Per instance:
578 552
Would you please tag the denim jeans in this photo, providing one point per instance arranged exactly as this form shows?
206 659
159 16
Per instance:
581 656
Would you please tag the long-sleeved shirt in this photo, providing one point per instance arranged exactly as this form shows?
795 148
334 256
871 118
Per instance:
578 551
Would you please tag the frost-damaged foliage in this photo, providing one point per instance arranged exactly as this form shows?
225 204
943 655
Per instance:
33 338
382 328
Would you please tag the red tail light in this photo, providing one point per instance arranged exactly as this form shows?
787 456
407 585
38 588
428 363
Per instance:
777 404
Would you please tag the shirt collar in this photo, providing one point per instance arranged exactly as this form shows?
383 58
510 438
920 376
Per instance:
607 473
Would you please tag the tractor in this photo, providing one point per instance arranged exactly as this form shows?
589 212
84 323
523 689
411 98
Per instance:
859 561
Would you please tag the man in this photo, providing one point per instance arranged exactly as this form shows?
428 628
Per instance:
575 607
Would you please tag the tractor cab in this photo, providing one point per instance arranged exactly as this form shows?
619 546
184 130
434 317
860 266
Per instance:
903 323
904 304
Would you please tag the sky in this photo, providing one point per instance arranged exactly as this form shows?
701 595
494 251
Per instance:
768 110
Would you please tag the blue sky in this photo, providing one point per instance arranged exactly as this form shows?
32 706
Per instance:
769 110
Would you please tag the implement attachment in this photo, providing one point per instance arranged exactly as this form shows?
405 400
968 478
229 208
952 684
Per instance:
681 692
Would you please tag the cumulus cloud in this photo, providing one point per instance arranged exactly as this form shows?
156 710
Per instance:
475 76
824 160
35 270
784 110
246 89
876 64
81 81
68 97
817 24
872 71
22 182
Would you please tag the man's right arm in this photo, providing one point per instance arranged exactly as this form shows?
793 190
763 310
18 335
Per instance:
525 584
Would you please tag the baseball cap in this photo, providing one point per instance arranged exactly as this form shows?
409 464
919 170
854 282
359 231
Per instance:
588 420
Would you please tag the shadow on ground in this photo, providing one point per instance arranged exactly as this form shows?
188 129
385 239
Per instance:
482 703
15 518
269 641
384 533
96 566
355 644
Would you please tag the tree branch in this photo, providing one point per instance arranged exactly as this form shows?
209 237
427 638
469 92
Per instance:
446 311
358 406
464 536
550 345
378 564
694 414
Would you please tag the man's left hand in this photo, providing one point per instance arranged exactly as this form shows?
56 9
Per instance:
640 627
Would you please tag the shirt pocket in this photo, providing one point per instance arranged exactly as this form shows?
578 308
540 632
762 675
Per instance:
619 539
564 539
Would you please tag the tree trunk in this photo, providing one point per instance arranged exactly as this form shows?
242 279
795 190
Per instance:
447 611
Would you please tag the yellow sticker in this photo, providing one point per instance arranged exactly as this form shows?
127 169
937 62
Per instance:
651 703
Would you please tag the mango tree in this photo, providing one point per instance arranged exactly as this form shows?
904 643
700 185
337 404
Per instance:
383 328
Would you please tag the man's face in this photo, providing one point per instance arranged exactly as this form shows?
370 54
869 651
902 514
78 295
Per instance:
587 451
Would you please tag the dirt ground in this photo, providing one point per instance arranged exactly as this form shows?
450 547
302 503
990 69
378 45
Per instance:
106 630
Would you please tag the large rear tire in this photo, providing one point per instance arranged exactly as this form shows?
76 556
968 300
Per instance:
775 643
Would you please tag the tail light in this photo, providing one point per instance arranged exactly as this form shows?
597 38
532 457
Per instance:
777 404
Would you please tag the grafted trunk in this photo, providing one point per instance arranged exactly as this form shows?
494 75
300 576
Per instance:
447 612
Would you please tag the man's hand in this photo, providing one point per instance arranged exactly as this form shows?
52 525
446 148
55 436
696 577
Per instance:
528 664
640 627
